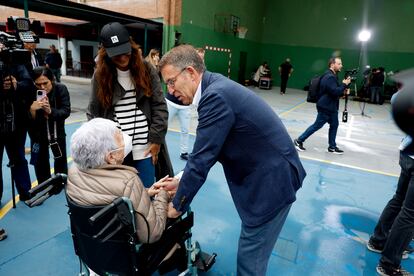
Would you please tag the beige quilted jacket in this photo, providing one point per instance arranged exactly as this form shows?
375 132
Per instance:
102 185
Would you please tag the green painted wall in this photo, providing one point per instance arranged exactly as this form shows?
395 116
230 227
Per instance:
307 31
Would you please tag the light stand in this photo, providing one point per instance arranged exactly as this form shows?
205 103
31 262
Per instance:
363 37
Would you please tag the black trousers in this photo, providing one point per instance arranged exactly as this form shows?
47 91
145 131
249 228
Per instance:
14 145
42 164
283 84
395 227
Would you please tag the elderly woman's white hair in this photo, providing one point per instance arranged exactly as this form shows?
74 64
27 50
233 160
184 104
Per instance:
92 141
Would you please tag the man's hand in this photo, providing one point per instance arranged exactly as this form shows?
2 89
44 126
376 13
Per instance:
172 212
8 82
347 80
168 184
154 149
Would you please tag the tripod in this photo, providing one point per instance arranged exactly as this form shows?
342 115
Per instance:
363 105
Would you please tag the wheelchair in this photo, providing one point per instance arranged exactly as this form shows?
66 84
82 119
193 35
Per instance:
105 238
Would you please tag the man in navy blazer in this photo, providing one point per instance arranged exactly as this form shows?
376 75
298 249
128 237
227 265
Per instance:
331 91
242 132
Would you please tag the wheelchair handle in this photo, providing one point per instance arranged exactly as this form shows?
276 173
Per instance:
105 210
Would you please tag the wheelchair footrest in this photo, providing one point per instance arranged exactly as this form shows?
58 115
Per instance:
205 261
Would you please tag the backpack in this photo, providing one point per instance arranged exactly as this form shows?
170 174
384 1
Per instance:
314 89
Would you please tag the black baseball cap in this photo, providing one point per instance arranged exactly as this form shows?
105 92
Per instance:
115 39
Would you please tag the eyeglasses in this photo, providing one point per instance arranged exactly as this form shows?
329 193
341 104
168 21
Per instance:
171 82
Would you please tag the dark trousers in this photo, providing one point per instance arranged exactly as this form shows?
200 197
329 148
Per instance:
395 227
283 84
323 117
42 165
14 144
256 244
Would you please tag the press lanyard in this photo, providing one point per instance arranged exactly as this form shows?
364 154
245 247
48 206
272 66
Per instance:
54 128
48 131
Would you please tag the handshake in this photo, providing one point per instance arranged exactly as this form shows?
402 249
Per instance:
167 183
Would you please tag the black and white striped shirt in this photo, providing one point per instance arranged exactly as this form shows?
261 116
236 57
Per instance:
130 118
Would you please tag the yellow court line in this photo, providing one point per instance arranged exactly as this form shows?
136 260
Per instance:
290 110
75 122
9 205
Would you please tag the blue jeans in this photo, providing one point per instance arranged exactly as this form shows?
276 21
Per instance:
323 117
375 94
183 115
256 244
146 170
395 227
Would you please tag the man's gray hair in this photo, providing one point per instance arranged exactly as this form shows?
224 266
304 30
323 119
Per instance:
181 57
92 141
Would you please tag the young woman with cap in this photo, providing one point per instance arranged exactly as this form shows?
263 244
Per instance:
127 90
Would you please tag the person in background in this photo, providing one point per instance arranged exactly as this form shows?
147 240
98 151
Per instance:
262 71
49 110
127 90
327 106
242 132
35 61
53 61
14 106
376 84
285 71
35 58
153 58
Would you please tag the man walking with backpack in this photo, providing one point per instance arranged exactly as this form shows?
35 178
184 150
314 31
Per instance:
327 105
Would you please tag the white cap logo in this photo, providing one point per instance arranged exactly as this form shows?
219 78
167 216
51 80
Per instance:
114 39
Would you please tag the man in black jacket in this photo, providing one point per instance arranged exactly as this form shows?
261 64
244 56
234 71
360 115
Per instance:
14 104
330 90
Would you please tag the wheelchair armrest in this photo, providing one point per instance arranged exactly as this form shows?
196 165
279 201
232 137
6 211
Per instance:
123 217
46 189
101 213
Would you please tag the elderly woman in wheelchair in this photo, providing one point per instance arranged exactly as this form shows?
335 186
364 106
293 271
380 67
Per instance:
98 180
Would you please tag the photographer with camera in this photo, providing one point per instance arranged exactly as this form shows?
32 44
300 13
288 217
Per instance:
50 108
14 84
331 91
376 82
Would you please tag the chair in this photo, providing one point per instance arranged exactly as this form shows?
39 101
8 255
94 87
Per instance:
105 240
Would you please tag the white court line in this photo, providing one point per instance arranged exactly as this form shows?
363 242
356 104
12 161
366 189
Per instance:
350 127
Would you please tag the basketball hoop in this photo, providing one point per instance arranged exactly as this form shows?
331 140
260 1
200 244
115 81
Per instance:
242 31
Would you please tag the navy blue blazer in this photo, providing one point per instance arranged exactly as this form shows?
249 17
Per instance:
242 132
331 91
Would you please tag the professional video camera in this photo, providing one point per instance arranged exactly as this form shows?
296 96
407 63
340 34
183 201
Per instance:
12 53
12 44
351 73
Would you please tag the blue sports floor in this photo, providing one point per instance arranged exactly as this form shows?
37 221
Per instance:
325 232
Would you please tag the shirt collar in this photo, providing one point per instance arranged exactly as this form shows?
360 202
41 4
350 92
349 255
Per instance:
197 95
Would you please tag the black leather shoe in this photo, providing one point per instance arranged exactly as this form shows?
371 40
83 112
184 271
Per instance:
184 156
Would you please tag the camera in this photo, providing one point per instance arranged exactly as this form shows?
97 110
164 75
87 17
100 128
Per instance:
351 73
12 53
12 50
